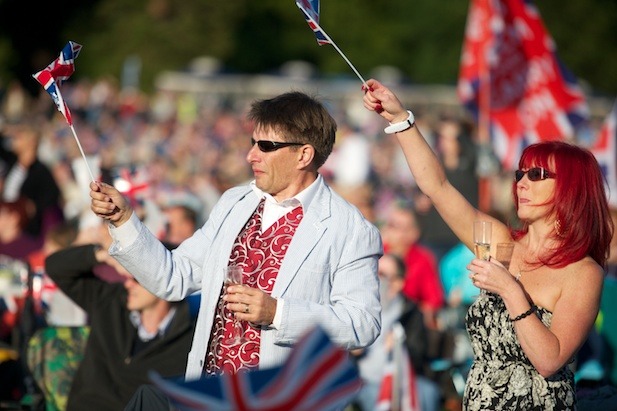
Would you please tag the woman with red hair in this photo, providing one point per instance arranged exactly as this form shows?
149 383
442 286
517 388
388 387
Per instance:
529 321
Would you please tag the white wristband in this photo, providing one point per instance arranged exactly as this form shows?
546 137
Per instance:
402 126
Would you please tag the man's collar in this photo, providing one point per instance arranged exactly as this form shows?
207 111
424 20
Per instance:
304 197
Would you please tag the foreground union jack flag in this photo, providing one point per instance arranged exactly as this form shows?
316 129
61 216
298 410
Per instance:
510 74
317 376
605 151
310 9
59 70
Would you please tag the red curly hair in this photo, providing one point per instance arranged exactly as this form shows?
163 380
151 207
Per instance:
579 203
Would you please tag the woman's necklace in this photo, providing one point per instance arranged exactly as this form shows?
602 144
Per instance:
520 271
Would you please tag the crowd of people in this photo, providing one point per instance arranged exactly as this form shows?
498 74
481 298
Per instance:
165 162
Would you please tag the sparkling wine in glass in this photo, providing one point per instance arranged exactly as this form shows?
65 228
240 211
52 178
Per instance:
504 253
233 275
482 231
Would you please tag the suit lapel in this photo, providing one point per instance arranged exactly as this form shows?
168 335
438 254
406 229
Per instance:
308 234
236 218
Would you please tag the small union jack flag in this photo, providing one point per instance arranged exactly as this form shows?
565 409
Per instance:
317 376
310 9
56 73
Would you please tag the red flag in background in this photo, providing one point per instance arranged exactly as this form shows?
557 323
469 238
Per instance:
605 151
511 75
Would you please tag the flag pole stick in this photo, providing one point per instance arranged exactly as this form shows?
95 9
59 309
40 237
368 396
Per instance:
345 58
336 48
82 153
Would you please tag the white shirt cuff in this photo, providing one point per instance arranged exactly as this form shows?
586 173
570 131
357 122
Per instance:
127 233
276 322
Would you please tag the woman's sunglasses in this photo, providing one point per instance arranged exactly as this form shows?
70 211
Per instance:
534 174
269 146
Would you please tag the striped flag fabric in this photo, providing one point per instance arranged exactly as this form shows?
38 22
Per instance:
510 73
318 375
59 70
310 9
605 151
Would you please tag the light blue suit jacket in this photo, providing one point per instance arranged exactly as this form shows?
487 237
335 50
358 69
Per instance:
328 275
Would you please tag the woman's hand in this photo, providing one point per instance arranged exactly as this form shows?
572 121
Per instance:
490 276
380 99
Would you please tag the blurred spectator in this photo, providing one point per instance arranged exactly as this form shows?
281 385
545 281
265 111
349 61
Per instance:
58 309
181 223
373 360
25 176
350 162
360 196
459 290
401 235
15 242
456 152
131 331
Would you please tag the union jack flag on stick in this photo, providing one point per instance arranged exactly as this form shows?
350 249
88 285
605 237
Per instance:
52 76
310 10
317 376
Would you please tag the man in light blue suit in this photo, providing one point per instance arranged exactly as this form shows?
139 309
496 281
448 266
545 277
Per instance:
319 265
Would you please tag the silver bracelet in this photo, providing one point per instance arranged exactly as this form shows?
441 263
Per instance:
401 126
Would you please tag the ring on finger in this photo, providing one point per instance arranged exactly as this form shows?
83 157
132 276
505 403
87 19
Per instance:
246 308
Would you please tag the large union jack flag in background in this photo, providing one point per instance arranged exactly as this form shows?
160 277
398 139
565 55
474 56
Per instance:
318 375
59 70
530 95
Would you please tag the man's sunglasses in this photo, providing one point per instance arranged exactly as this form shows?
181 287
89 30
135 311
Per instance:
534 174
269 146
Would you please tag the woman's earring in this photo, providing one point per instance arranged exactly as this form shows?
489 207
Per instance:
557 225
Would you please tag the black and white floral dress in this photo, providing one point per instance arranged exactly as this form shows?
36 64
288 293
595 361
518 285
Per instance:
501 377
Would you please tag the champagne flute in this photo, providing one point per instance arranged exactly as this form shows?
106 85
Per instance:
482 231
504 254
233 275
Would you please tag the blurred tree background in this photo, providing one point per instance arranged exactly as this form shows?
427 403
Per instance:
421 38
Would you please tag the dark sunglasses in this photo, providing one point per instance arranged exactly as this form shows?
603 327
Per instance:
269 146
534 174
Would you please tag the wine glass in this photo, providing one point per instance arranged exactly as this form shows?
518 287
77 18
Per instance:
482 231
504 253
233 275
